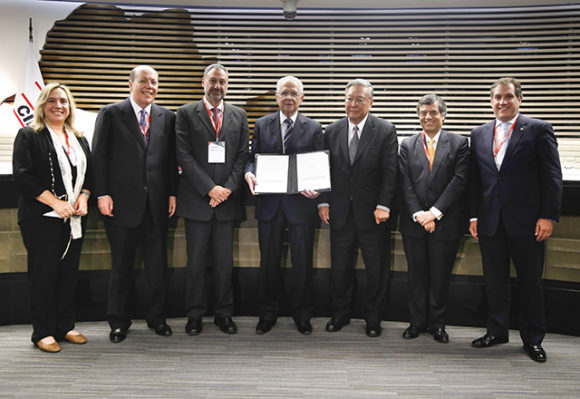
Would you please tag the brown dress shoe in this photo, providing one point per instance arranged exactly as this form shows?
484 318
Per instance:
76 338
51 348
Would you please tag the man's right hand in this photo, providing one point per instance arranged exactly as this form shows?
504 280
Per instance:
324 213
251 180
473 229
105 205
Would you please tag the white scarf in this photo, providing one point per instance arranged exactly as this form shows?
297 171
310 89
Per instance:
66 172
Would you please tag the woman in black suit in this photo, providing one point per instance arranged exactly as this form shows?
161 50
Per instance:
51 171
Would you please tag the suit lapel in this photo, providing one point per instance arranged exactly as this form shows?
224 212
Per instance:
227 120
298 130
204 117
365 137
132 124
440 153
156 123
420 156
488 143
516 136
276 132
342 132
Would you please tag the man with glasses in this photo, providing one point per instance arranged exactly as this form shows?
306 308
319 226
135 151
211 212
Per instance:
285 132
212 149
363 165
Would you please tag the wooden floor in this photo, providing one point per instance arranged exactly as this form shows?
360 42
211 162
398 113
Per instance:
284 364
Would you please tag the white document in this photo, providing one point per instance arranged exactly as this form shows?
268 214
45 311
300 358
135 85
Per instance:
313 171
216 152
271 174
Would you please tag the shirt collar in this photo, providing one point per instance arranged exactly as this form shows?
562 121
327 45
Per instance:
511 122
284 117
209 106
435 138
137 108
360 125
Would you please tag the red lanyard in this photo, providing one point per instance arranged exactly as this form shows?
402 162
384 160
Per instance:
144 131
220 119
497 146
426 150
67 149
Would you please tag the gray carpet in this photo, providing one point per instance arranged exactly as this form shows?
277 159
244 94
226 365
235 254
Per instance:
284 364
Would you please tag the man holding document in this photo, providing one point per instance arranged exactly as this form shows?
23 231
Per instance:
284 132
363 164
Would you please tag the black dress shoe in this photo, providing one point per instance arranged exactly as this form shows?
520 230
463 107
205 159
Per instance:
226 324
304 327
373 329
536 353
163 329
411 332
336 323
118 335
488 340
264 325
440 335
193 326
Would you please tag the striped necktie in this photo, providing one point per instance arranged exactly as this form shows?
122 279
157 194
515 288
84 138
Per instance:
288 132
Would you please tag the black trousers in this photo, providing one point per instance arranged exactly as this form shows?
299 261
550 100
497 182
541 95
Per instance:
151 239
52 279
202 238
375 244
301 240
429 263
528 257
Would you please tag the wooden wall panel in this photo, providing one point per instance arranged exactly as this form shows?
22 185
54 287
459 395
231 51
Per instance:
456 53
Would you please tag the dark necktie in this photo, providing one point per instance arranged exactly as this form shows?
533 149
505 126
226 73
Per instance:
143 124
216 118
353 145
287 133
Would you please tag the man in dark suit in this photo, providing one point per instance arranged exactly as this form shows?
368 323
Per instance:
212 149
515 198
135 181
363 164
285 132
433 167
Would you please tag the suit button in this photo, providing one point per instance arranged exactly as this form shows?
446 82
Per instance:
145 188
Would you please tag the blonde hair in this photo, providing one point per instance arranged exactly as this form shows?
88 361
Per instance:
39 123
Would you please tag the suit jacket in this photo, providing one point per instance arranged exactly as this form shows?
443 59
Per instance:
528 184
267 139
193 132
444 186
131 172
31 170
370 181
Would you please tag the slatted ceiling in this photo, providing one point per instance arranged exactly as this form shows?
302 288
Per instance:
457 53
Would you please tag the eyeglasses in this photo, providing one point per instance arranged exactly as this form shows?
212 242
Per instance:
358 100
289 94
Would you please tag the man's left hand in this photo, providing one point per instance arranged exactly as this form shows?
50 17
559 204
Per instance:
425 217
172 204
381 215
310 193
544 229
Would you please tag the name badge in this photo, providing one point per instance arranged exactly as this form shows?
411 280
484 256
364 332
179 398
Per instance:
216 151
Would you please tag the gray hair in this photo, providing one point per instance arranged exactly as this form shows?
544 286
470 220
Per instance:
433 98
289 78
360 82
211 67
